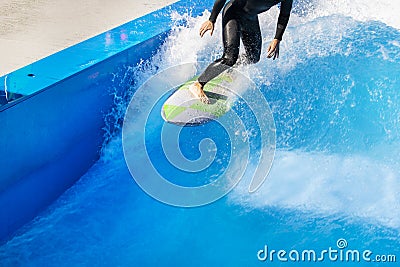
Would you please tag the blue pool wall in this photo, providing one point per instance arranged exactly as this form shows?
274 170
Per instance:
53 134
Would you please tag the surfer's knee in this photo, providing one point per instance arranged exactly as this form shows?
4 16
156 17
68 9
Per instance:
253 59
246 60
253 56
229 60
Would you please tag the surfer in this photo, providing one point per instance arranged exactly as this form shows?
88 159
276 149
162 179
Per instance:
240 20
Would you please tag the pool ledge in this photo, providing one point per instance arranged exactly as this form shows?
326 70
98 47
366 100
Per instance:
53 134
41 74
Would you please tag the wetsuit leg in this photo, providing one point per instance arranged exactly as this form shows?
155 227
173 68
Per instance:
251 38
231 41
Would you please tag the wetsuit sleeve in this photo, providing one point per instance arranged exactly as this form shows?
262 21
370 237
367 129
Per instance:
218 5
283 19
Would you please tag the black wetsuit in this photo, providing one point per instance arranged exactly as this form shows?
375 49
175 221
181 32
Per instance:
240 20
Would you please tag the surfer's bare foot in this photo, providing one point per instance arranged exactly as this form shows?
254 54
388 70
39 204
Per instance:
197 91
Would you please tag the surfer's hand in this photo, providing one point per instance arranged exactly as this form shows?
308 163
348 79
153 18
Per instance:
273 49
207 26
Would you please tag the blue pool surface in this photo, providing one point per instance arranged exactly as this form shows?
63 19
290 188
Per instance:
336 105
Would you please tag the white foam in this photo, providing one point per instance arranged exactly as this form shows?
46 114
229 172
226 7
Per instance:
386 11
316 34
184 44
354 186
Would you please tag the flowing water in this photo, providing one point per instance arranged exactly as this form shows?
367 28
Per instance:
334 95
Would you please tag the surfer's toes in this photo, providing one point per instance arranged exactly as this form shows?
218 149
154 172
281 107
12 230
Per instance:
205 99
198 92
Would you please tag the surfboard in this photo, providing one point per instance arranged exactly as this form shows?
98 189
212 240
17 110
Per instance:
182 108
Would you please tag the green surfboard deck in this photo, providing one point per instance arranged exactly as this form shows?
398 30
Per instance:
182 108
